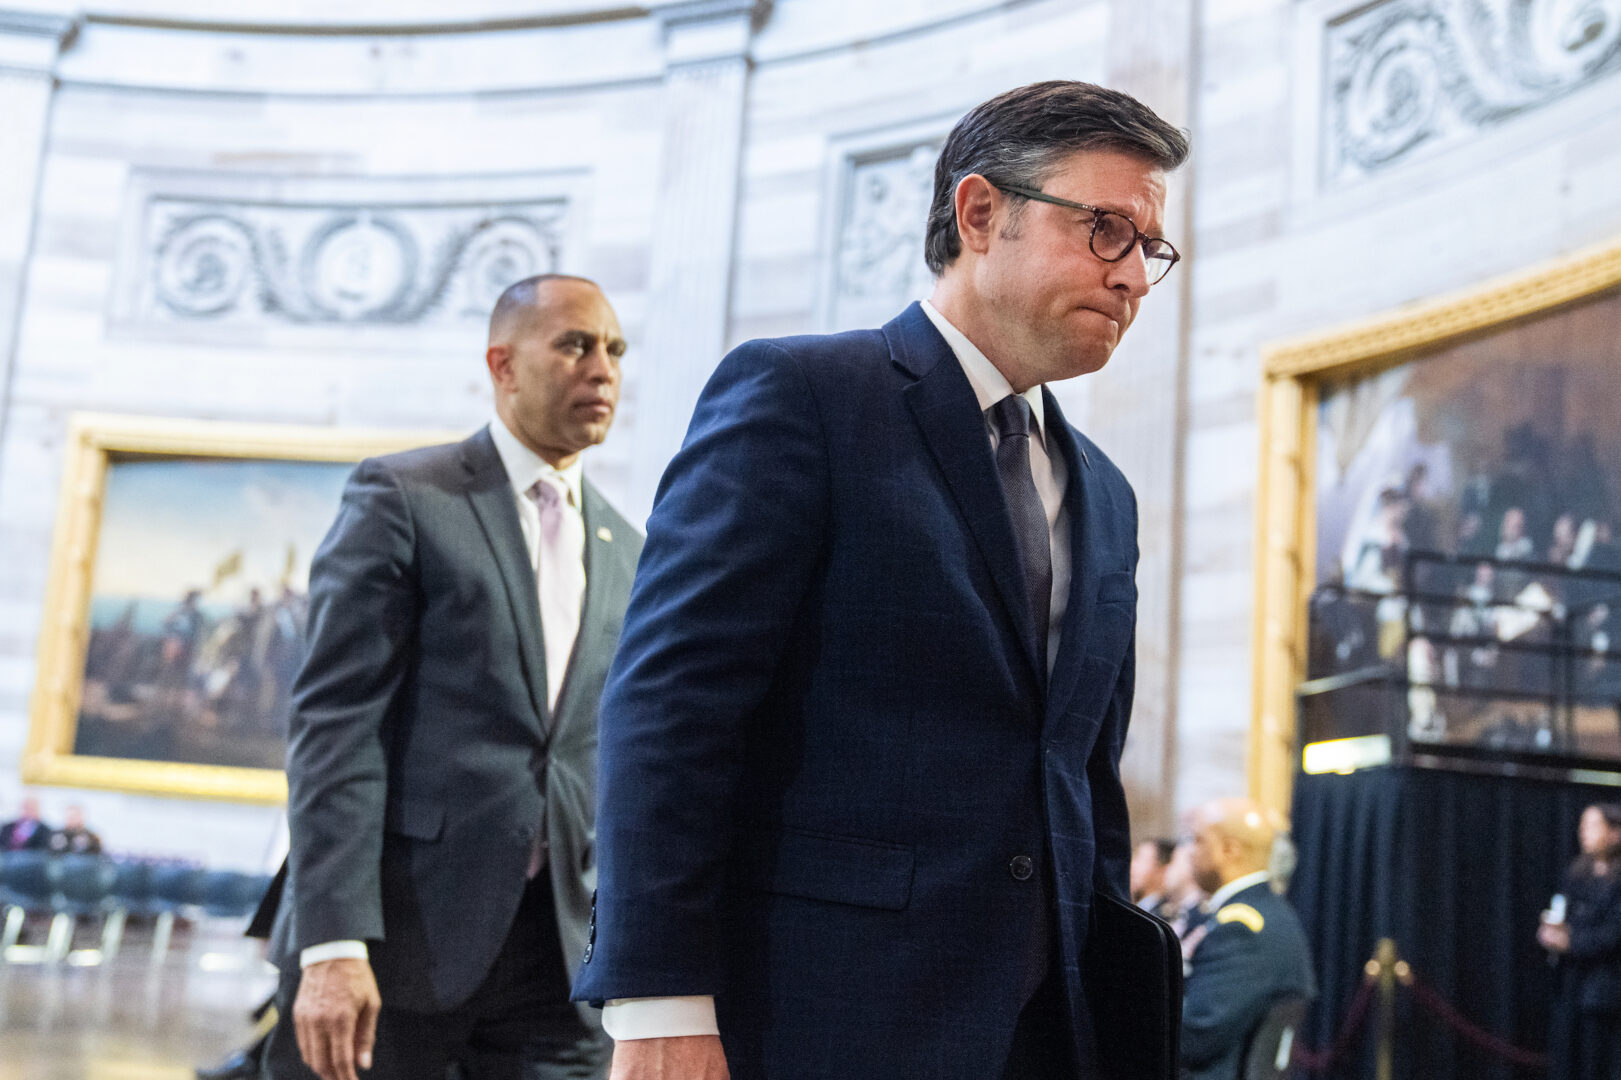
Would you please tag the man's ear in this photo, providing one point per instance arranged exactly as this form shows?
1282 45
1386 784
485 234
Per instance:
499 360
977 202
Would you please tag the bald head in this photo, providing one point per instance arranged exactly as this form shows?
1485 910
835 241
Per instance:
554 351
510 317
1232 838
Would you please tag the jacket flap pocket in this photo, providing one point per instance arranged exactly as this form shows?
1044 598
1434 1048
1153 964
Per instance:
1116 587
865 873
416 818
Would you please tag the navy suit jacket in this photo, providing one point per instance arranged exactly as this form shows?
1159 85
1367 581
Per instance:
837 789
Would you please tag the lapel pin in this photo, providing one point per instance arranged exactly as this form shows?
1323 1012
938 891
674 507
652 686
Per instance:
604 535
1085 458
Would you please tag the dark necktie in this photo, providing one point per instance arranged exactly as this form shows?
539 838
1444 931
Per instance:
1011 418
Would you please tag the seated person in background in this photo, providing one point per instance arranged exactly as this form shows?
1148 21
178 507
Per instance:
1183 905
1251 954
73 838
28 832
1148 861
1585 1038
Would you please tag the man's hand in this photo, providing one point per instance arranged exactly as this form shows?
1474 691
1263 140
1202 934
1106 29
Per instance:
682 1057
335 1015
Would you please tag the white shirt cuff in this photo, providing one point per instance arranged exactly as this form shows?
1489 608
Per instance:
333 950
659 1017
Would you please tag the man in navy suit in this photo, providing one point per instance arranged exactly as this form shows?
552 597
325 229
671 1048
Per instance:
860 744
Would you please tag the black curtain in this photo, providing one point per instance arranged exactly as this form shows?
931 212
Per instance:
1456 868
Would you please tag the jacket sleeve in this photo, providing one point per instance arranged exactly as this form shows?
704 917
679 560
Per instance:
362 624
1600 940
732 546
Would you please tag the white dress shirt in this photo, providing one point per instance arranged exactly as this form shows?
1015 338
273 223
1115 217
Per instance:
649 1018
524 468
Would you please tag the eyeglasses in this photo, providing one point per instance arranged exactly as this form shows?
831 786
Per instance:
1113 234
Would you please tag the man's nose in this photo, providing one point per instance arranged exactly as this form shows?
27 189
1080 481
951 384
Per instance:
1130 273
599 365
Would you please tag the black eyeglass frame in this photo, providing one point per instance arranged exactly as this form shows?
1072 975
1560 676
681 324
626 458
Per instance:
1097 212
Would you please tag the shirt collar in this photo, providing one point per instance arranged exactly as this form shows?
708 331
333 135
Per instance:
524 466
1234 887
990 385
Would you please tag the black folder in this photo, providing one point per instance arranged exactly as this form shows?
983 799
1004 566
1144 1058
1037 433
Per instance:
1133 974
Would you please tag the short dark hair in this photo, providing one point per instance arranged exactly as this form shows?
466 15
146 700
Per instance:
1016 138
521 295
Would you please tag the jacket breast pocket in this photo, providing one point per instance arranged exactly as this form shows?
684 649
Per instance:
417 819
817 866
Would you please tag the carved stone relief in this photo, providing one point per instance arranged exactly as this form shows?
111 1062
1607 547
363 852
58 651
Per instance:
338 263
879 258
1406 74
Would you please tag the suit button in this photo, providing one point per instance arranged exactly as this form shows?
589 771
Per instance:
1022 867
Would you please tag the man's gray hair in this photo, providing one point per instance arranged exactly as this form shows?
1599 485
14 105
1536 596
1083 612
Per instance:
1018 137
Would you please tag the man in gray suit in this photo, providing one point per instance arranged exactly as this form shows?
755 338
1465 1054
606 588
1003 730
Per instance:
442 757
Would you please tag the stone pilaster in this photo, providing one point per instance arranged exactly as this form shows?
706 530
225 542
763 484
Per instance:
1136 410
707 44
29 46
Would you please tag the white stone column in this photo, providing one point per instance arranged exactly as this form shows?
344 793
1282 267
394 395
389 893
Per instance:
29 46
690 276
1137 409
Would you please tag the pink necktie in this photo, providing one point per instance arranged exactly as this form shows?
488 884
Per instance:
561 576
560 573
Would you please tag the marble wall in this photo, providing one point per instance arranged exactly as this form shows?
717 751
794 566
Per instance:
298 214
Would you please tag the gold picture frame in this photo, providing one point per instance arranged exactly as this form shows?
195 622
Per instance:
1293 373
96 442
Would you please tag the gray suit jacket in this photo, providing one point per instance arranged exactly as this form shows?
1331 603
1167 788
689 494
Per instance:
422 756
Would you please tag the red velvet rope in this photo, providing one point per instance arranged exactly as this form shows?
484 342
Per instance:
1355 1016
1436 1005
1455 1020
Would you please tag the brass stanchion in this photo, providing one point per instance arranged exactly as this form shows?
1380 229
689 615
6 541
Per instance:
1386 969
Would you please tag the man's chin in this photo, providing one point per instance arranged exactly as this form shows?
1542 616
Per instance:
1081 362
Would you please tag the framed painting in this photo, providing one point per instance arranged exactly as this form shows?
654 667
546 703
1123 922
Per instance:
175 609
1435 505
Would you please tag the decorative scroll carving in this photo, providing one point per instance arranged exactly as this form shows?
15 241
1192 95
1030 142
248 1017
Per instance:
880 238
230 262
1407 74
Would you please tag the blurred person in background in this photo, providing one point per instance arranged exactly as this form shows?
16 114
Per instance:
1583 929
1148 862
28 832
74 838
1252 952
1183 904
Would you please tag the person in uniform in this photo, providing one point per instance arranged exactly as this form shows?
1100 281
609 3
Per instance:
1250 954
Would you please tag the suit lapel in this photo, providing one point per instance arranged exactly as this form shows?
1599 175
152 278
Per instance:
1086 509
494 504
947 412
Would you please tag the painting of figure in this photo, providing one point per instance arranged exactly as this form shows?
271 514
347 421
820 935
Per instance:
197 609
172 629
